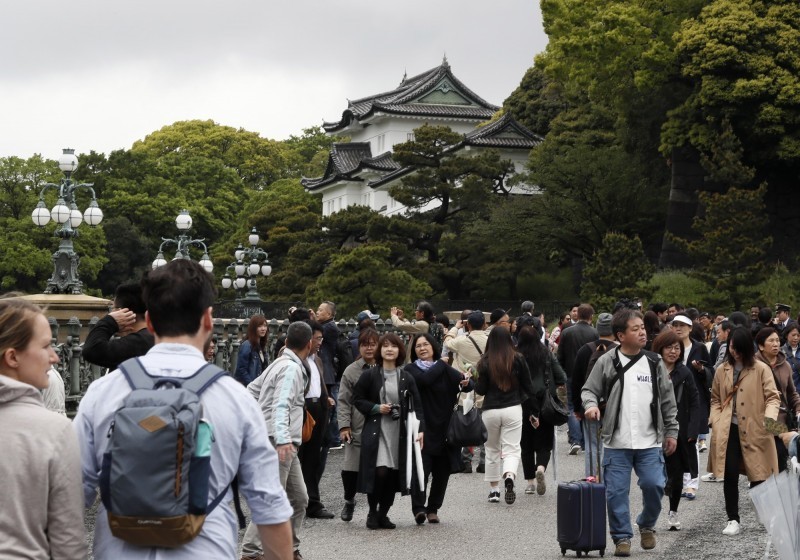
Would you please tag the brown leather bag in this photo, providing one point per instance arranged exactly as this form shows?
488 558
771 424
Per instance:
308 426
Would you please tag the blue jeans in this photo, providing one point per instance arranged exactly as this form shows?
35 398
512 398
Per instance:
590 461
649 467
574 432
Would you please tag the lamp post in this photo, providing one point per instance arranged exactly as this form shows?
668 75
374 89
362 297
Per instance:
249 263
65 213
183 243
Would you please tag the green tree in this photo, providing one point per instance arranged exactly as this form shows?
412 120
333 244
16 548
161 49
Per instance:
731 247
364 277
617 269
536 102
590 185
445 190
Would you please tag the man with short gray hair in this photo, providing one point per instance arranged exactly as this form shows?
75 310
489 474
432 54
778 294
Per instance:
280 391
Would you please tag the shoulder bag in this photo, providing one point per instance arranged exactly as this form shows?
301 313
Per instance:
553 411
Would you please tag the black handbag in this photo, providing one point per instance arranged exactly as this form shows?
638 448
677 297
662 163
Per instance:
466 430
552 411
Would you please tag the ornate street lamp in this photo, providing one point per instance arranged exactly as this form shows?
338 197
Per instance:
249 263
184 223
65 213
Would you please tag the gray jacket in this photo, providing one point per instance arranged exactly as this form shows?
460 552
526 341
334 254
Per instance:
598 386
280 392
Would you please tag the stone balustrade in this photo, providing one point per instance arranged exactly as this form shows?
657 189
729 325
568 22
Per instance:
77 373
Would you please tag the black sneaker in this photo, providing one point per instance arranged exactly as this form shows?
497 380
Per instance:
480 468
347 510
467 468
511 496
372 521
494 496
386 523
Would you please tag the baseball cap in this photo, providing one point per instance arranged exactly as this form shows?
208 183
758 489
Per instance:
367 314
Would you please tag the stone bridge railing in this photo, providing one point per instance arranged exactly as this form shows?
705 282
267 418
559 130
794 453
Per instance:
77 373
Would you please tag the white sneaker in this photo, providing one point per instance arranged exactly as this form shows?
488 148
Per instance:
702 447
732 528
573 450
711 477
673 522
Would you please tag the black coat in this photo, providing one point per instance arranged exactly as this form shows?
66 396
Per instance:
702 379
572 338
327 352
690 413
367 394
439 387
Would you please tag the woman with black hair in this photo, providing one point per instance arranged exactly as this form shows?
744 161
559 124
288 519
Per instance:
252 359
652 327
769 351
669 346
537 433
386 395
743 399
505 382
439 385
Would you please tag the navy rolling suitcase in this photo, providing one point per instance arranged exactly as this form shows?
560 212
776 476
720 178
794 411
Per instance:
581 514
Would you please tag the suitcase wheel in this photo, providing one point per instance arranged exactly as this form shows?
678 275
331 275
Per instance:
563 551
578 553
602 552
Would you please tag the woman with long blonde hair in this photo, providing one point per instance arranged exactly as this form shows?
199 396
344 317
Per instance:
42 488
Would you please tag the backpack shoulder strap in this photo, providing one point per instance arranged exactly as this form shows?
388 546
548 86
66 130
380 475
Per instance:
203 378
135 374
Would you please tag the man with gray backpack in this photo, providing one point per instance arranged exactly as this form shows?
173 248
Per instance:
167 437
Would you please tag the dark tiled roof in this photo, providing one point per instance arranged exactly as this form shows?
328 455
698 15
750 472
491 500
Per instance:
505 132
401 100
348 159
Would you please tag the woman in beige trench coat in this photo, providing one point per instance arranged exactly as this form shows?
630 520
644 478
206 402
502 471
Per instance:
743 394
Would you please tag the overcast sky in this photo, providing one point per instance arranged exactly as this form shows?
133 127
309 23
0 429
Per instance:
99 75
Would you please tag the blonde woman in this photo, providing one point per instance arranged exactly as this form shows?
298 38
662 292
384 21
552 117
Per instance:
42 511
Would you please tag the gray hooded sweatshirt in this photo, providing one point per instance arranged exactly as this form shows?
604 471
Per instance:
41 504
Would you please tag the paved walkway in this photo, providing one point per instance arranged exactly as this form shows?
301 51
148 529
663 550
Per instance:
472 528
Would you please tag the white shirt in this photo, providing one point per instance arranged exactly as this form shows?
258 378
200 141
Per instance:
241 445
635 429
315 387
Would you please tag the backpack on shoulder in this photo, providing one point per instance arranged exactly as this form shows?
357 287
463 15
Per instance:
436 330
155 475
344 355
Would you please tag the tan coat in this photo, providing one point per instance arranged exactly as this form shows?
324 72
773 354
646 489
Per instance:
756 399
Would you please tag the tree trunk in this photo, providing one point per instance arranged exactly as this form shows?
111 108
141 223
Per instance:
687 180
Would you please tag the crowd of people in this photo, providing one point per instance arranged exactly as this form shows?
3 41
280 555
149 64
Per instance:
650 392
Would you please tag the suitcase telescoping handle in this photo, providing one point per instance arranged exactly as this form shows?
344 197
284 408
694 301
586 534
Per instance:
594 460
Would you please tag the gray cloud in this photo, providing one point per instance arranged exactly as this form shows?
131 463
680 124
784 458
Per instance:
100 75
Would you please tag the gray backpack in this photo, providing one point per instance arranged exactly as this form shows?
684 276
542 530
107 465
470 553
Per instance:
155 475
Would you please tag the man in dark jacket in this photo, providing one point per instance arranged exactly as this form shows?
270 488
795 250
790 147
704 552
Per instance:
326 314
125 321
571 341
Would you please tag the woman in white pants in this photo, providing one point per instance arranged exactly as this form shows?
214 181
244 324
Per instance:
505 382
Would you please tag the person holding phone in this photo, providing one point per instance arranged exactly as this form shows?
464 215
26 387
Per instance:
696 358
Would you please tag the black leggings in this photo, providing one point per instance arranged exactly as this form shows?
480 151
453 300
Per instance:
383 491
733 458
350 483
537 445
